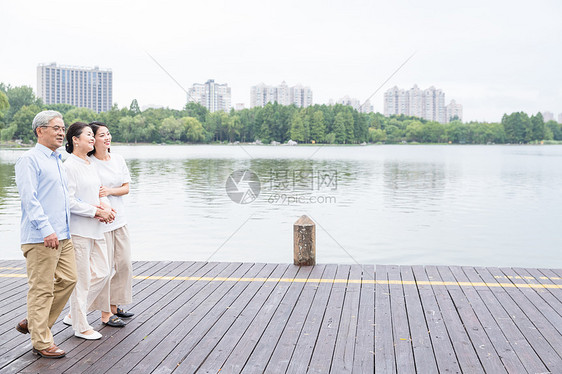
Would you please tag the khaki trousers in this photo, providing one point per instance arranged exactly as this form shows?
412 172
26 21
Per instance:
118 291
93 273
51 276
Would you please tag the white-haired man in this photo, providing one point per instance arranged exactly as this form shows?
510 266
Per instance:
45 233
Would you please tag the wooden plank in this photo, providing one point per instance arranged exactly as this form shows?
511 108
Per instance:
470 324
548 278
163 328
385 361
547 294
424 358
78 348
285 347
525 352
364 350
547 354
465 352
256 346
443 348
12 267
307 339
344 351
539 298
539 312
20 345
248 301
402 339
501 339
215 360
323 353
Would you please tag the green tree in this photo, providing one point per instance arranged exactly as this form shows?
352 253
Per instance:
8 133
433 132
171 129
393 134
134 107
349 127
195 110
80 115
555 129
457 132
339 128
377 135
61 108
195 132
415 132
4 103
317 127
537 122
19 97
297 128
517 127
23 119
233 128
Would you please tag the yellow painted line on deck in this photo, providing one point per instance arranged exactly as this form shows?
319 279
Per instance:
349 281
9 268
346 281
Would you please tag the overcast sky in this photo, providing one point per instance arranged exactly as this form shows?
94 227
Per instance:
491 56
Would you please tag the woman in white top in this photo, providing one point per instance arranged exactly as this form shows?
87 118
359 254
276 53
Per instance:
115 179
87 216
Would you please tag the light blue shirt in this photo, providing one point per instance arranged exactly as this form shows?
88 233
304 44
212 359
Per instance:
43 188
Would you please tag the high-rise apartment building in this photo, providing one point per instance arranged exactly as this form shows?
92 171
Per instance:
547 116
262 94
356 104
211 95
454 110
79 86
428 104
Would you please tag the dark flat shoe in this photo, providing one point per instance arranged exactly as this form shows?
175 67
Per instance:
114 321
121 313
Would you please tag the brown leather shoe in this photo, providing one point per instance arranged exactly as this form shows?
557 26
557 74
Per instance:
51 352
22 327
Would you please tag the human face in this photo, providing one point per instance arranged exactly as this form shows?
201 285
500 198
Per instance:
103 139
52 135
85 142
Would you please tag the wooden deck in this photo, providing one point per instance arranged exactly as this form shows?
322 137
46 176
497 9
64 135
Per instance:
254 318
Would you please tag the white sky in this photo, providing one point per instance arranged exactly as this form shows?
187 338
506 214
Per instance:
491 56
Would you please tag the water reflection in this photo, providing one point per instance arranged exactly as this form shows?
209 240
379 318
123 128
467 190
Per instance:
409 184
404 205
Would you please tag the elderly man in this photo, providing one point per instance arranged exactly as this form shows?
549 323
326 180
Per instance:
45 233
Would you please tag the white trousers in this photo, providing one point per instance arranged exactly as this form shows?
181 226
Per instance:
92 268
119 290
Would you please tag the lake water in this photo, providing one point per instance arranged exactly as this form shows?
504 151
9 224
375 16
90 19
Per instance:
454 205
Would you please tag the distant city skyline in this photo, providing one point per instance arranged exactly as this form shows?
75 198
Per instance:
213 96
299 95
428 104
493 57
75 85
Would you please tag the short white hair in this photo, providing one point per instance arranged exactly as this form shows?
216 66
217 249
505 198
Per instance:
43 118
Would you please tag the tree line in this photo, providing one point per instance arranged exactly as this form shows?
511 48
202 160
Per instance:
325 124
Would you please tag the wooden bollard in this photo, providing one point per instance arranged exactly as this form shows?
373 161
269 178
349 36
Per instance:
304 235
